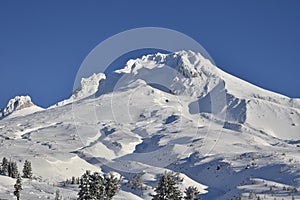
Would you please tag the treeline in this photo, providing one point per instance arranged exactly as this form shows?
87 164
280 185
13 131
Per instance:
72 181
10 168
106 186
97 186
168 188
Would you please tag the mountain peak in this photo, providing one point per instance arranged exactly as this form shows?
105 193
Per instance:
20 104
188 63
88 86
178 72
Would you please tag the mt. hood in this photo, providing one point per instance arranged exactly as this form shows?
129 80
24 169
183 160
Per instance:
162 112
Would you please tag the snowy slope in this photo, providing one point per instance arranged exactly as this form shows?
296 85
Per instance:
161 112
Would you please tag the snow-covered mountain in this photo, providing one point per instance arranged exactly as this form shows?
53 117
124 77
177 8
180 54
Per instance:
214 91
19 106
161 112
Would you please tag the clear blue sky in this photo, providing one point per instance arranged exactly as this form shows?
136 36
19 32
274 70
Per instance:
42 43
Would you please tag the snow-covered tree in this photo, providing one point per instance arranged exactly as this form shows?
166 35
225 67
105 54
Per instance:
191 193
167 188
27 170
136 183
58 195
4 167
18 187
13 169
112 185
85 186
98 187
77 180
73 180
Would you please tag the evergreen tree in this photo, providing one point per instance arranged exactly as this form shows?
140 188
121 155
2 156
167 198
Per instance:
112 185
191 193
57 195
67 182
136 183
98 186
27 170
85 186
18 187
13 169
73 180
4 166
167 188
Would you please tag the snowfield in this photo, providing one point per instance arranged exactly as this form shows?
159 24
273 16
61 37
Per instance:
162 112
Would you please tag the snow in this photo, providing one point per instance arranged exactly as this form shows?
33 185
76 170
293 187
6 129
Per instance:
19 106
162 112
88 86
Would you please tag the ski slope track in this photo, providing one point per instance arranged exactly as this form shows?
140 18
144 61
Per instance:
162 112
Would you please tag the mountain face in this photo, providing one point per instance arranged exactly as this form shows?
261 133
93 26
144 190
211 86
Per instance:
238 104
88 87
20 105
175 112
